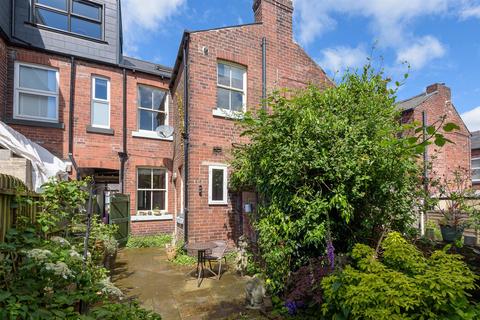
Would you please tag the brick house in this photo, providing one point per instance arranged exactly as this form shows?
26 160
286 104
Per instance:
433 104
66 85
219 74
99 110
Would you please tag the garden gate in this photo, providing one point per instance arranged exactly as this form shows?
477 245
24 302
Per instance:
120 215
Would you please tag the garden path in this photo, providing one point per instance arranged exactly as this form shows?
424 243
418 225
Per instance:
167 289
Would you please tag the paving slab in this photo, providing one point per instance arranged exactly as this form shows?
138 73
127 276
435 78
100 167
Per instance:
147 275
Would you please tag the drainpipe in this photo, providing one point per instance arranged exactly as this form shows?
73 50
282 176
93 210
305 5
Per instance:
264 73
124 155
423 215
71 114
186 139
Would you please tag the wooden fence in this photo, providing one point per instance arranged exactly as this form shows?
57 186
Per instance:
13 203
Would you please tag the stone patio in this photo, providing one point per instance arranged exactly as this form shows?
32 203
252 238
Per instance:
168 289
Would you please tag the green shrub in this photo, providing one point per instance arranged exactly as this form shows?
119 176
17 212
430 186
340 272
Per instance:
42 279
402 284
149 241
122 311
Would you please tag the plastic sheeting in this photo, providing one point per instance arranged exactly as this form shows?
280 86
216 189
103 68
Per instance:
44 164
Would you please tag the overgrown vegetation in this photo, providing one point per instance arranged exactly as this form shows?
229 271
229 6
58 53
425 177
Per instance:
154 241
337 170
400 284
44 273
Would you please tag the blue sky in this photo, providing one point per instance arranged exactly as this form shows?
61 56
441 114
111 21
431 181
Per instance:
439 38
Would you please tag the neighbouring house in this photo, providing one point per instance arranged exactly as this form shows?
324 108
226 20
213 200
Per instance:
432 106
476 160
66 85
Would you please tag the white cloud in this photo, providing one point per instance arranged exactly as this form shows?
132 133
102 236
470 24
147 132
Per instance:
420 53
390 22
338 59
143 16
472 119
470 12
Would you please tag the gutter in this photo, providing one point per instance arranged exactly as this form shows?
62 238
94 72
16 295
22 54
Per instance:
71 113
264 73
123 155
186 138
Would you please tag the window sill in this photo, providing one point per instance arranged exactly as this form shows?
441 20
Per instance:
91 129
227 114
149 135
36 123
218 204
152 218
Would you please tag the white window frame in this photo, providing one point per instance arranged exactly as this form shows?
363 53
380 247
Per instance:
148 133
225 184
102 101
18 90
473 168
148 214
229 112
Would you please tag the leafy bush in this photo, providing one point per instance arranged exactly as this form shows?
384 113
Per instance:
122 311
149 241
402 284
45 278
327 160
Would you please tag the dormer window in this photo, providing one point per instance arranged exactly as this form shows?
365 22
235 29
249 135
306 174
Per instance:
80 17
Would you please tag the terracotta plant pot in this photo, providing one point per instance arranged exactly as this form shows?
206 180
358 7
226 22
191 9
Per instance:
451 234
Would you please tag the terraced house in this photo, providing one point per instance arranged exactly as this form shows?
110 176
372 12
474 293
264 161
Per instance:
66 85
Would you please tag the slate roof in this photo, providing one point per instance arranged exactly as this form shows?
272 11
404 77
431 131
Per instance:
145 66
475 140
412 103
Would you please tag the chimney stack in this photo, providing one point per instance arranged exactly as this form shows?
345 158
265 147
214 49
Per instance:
276 14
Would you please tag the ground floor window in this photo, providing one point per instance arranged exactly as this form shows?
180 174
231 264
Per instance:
151 191
217 184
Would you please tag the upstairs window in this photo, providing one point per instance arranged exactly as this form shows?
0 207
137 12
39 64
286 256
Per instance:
476 170
231 87
36 93
76 16
152 108
100 115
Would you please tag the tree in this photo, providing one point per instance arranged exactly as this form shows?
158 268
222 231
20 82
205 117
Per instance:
330 164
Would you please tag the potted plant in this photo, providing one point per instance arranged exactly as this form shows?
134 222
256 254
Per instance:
452 204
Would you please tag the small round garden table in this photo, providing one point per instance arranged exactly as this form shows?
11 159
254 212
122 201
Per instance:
201 248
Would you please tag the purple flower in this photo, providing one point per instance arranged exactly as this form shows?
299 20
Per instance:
292 307
331 254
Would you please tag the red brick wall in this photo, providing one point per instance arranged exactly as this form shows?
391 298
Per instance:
453 156
287 66
93 150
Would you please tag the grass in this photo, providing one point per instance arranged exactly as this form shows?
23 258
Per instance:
183 259
156 241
